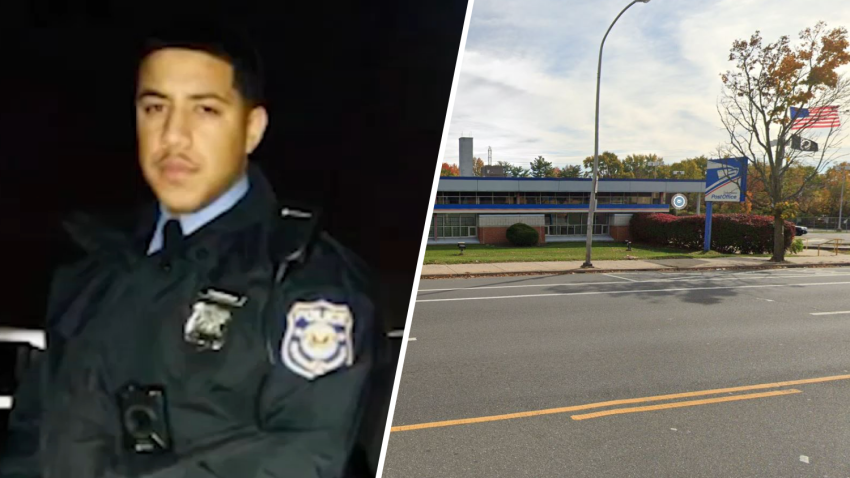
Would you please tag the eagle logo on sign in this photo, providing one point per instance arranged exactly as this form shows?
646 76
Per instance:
317 338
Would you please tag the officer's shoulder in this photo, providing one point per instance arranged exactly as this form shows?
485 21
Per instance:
301 241
328 250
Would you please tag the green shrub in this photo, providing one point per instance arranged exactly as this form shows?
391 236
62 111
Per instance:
730 233
522 235
797 246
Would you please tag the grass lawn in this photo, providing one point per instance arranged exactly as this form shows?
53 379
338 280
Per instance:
555 251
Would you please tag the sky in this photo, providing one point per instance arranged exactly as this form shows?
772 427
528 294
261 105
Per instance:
528 78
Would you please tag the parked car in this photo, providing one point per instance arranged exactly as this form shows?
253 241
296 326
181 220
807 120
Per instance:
801 230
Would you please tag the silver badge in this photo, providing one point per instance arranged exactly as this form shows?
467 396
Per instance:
211 314
318 338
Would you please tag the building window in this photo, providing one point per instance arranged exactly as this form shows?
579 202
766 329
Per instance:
575 224
446 226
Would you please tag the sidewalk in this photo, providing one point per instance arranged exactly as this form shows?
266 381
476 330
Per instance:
806 258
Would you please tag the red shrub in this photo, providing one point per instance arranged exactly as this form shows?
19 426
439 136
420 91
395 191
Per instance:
730 233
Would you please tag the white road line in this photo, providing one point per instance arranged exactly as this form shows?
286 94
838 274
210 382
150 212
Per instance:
649 281
412 339
637 291
5 402
831 313
518 286
618 277
395 334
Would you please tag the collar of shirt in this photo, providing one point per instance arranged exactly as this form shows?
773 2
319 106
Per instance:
194 221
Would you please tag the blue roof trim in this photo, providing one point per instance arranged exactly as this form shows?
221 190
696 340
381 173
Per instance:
478 178
549 206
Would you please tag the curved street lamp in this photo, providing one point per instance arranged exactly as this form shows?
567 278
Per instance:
592 210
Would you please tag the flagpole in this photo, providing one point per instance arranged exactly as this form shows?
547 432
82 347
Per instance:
841 202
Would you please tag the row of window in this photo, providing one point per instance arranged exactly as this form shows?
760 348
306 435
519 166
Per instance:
445 226
598 229
539 194
573 219
548 198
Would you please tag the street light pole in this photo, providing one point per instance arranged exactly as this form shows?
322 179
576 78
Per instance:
654 165
592 209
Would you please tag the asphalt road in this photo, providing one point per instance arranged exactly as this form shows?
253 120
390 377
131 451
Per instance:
491 347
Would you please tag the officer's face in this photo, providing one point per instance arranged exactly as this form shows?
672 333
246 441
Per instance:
194 129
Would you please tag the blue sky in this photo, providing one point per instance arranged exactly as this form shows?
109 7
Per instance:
528 77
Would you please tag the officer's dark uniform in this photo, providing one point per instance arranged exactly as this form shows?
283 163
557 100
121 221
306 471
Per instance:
239 411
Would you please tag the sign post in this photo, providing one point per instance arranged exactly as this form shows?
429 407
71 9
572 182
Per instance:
707 245
725 181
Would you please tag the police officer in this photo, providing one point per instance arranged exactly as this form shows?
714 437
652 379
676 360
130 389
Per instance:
223 336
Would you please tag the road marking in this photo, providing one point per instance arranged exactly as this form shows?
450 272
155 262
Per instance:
395 334
627 401
649 281
624 278
5 402
831 313
412 339
635 291
689 403
520 286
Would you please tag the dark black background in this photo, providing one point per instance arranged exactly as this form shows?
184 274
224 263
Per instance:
358 95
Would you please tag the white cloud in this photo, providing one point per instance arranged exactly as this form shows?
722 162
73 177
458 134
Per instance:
527 84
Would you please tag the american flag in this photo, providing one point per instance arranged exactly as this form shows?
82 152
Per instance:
820 117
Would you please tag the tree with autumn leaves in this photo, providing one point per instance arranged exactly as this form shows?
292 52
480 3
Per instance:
449 170
768 80
453 170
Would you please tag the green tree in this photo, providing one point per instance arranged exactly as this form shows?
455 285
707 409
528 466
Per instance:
609 165
571 171
637 166
767 80
540 168
513 171
693 168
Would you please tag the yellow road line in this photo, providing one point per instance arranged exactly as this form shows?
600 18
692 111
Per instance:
689 403
627 401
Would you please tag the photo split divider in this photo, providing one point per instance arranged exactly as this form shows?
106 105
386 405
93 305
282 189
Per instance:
414 291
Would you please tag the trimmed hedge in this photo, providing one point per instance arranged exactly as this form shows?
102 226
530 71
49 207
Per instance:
522 235
730 233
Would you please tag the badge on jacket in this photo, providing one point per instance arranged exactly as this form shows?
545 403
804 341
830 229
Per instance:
317 338
211 314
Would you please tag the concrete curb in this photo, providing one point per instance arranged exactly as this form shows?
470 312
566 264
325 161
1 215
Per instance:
607 271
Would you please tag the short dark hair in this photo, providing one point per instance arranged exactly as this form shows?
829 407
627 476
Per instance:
228 43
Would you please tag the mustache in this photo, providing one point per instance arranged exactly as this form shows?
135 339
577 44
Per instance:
170 156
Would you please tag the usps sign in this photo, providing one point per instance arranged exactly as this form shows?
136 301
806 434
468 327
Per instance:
726 180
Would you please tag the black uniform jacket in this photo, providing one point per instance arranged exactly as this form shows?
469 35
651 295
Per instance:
261 406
